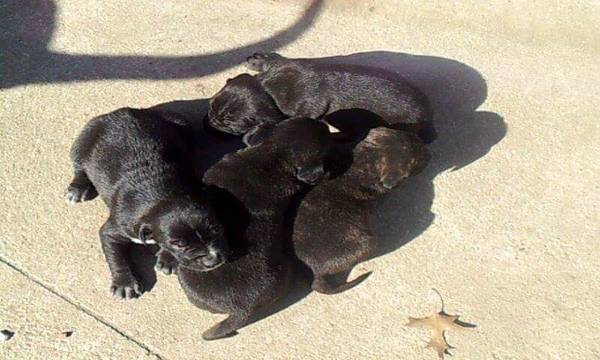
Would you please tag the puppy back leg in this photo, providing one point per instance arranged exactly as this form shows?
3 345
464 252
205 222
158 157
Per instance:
228 326
330 275
81 188
115 248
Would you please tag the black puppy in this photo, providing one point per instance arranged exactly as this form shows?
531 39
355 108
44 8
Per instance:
305 87
264 179
331 229
140 162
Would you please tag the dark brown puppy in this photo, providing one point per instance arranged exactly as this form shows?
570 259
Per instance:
331 229
140 162
265 179
307 87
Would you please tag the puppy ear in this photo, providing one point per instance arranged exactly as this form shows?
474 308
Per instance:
258 134
145 233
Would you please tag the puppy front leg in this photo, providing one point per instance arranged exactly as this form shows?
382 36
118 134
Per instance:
115 248
165 262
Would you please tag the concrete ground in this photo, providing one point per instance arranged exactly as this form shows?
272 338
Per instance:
504 222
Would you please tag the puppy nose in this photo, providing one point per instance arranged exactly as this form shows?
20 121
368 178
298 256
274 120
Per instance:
390 182
311 175
211 260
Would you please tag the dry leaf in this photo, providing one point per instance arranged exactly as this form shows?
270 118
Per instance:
439 323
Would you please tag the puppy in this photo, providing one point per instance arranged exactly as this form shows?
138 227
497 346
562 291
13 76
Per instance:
331 230
305 87
264 179
139 162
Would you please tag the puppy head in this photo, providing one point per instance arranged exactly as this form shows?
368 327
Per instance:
241 105
386 157
304 144
190 231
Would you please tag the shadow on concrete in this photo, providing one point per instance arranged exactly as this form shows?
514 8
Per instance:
28 26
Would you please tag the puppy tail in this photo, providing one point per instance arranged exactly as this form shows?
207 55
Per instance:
326 285
227 327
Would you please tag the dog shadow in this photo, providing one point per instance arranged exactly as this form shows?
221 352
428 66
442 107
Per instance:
465 135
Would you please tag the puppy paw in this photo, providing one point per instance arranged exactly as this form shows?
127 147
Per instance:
258 61
131 290
166 268
165 262
76 193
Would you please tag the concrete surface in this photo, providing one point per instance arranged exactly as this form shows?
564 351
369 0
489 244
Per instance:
38 318
504 223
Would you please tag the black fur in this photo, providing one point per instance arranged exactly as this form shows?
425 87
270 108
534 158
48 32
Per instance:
140 162
264 179
305 87
331 229
241 105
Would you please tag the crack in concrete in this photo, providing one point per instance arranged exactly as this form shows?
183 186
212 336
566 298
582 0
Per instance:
81 308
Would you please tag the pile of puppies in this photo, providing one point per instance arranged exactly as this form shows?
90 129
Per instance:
298 191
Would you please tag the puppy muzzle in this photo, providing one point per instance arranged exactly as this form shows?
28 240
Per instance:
311 176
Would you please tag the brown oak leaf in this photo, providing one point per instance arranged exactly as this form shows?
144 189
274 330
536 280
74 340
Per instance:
439 323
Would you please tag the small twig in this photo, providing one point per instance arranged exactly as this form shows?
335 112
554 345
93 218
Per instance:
441 298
